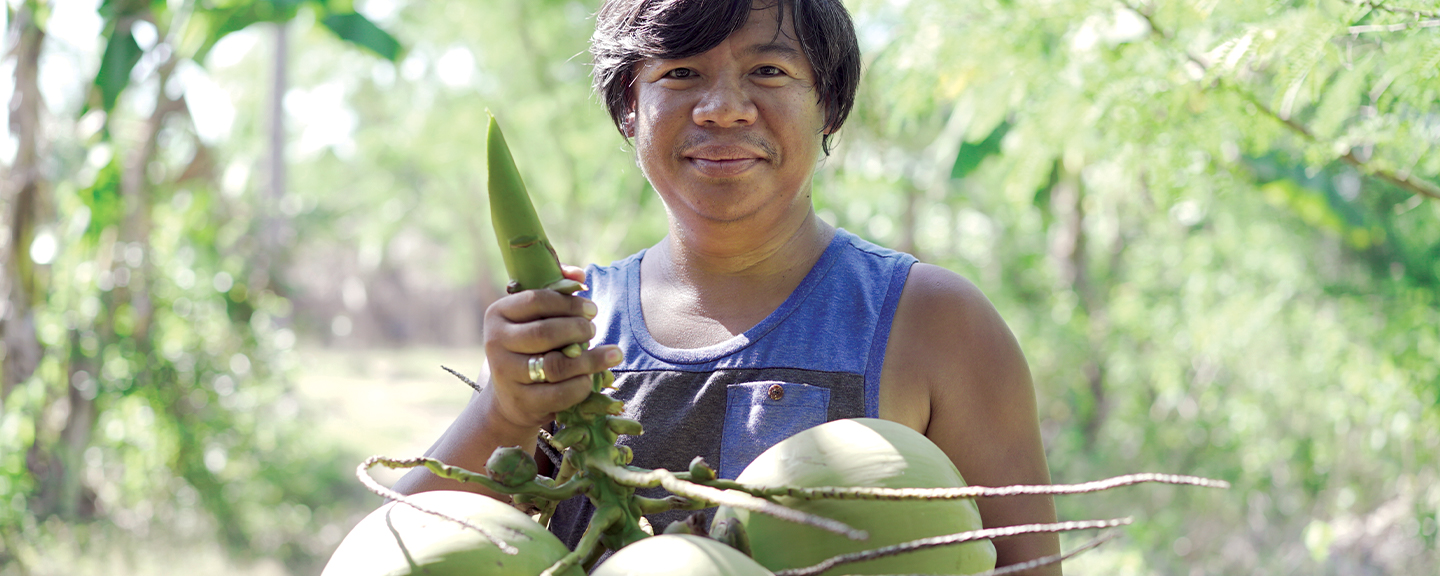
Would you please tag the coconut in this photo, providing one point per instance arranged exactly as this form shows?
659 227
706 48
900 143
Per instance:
687 554
397 540
862 452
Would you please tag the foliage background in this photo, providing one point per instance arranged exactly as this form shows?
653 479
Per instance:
1211 224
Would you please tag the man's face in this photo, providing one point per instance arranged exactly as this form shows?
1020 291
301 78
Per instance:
733 134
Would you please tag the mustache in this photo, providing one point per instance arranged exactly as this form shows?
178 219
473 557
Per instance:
747 139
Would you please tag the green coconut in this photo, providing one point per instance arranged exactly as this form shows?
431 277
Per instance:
670 554
398 540
862 452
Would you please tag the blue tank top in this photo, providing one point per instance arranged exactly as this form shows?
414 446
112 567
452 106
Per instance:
814 359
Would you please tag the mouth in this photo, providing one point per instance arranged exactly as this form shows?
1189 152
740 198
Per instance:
722 161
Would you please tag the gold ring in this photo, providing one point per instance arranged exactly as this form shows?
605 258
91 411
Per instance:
537 368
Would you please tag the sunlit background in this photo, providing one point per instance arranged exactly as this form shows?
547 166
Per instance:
240 238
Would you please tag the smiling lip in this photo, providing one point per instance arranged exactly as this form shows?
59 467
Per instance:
722 161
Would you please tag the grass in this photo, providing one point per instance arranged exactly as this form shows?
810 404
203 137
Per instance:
394 402
390 402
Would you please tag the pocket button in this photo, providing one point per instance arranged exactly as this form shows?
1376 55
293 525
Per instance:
777 392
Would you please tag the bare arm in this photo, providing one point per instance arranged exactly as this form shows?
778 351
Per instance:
954 371
468 443
511 409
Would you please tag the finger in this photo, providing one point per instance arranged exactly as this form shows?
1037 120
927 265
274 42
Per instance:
558 367
552 397
575 273
533 305
537 404
541 336
561 367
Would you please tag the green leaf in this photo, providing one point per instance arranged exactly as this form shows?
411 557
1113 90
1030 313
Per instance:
114 10
971 155
359 30
1341 99
121 54
207 27
103 199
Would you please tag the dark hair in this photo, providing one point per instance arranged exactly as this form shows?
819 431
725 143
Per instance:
628 31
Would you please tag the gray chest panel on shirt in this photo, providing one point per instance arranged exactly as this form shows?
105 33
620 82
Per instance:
728 417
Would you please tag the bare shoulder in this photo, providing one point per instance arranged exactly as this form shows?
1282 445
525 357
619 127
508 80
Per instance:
939 299
947 332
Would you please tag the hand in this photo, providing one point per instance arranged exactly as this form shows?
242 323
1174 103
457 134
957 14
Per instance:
538 323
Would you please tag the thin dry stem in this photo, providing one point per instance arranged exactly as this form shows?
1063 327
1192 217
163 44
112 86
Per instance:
1038 562
463 378
549 439
1052 559
1402 11
362 472
1393 27
731 498
969 492
1403 179
952 539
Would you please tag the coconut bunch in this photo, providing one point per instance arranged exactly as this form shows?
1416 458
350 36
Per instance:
857 496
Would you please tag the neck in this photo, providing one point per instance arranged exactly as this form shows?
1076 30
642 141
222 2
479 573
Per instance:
696 294
738 252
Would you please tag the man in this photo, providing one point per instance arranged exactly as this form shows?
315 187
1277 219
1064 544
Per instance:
753 319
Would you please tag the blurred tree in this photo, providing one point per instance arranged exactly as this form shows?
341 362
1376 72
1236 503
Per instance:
1210 224
1205 278
184 377
400 209
20 351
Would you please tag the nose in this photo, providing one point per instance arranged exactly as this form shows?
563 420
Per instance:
724 103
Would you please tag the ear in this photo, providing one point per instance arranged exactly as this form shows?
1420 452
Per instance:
627 125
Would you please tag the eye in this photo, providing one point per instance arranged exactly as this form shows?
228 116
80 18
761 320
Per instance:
769 71
680 73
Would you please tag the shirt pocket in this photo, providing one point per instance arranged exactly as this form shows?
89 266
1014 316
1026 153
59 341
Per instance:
759 415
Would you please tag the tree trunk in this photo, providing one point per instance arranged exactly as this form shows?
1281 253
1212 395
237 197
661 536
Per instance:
23 196
274 226
59 462
137 194
1068 251
905 240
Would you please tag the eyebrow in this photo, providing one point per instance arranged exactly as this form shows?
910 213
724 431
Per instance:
774 48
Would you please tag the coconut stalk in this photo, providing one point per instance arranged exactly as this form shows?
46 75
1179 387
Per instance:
541 487
952 539
1044 560
965 492
595 466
